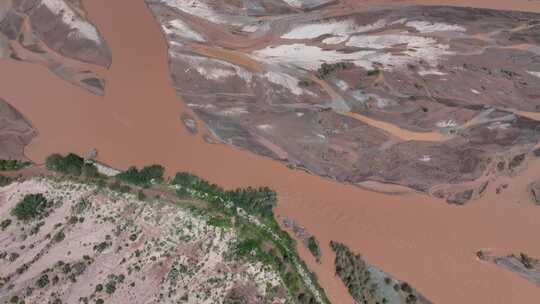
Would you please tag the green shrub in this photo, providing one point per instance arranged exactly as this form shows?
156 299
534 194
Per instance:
326 69
4 180
99 287
141 196
247 247
143 177
185 179
5 223
12 164
71 164
31 206
59 236
110 287
43 281
305 83
313 246
116 186
219 222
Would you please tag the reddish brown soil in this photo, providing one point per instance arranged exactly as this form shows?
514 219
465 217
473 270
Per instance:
418 240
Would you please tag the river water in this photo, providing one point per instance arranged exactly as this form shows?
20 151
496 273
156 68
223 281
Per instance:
420 240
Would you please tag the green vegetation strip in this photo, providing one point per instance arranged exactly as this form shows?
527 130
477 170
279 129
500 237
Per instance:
12 165
248 210
260 237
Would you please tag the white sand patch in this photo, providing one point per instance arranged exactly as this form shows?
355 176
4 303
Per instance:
385 41
335 40
201 106
382 103
265 127
294 3
311 57
341 84
250 28
499 125
534 73
450 123
429 27
308 57
427 49
425 158
430 72
399 21
337 28
285 81
235 111
181 29
202 10
83 29
214 73
197 8
214 69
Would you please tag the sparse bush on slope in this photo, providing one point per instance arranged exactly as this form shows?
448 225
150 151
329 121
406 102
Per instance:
31 206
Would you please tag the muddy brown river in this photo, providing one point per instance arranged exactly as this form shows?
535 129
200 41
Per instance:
420 240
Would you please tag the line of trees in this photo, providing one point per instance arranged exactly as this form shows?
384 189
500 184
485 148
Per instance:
259 201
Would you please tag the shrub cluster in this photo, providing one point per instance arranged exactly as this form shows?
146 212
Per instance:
144 177
259 201
71 164
326 69
31 206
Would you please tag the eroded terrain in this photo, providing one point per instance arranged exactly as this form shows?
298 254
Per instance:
57 35
416 96
90 245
